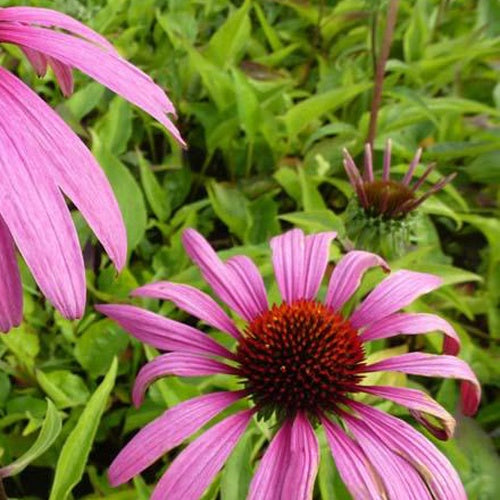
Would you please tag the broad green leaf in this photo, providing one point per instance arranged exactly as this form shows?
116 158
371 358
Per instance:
98 345
51 428
248 104
229 204
262 220
156 196
316 221
127 192
84 100
227 44
75 451
116 126
415 38
65 388
303 113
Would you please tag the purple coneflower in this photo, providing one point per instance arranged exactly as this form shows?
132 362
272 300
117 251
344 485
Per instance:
41 158
381 219
300 363
386 197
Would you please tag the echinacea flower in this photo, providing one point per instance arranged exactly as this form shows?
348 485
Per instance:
380 219
41 158
301 364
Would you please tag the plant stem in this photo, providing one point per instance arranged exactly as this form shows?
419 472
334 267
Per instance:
3 494
380 70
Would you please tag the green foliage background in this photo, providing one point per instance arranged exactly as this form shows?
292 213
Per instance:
268 93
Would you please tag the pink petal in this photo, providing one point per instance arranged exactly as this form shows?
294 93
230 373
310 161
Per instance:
181 364
387 160
112 71
162 333
434 365
38 218
411 168
395 292
289 466
413 324
225 282
347 275
195 468
166 432
268 481
63 75
400 479
399 436
191 300
60 155
317 253
11 291
36 59
420 405
288 255
251 279
353 466
52 18
302 466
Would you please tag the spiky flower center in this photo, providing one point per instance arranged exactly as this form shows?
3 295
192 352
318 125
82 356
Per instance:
387 198
300 356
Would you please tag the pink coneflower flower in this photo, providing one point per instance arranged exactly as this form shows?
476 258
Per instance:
387 197
301 363
41 158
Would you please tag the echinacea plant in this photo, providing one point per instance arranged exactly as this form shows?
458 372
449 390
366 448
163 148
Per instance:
301 364
41 158
382 217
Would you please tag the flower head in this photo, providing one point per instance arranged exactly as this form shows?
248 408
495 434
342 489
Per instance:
41 158
301 364
381 217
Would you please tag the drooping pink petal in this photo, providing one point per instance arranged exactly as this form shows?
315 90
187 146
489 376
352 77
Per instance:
268 480
288 255
395 292
181 364
60 155
39 221
63 75
250 278
399 436
347 275
162 333
354 468
36 59
434 365
420 405
302 466
354 177
166 432
11 292
112 71
413 324
195 468
399 477
368 172
52 18
191 300
223 280
317 252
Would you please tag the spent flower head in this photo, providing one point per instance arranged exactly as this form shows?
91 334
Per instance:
41 158
301 364
382 217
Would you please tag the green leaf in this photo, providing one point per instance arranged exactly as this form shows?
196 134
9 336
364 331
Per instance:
116 126
51 428
229 204
98 345
316 221
65 388
248 104
303 113
415 38
262 220
156 196
76 449
127 192
84 100
227 44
